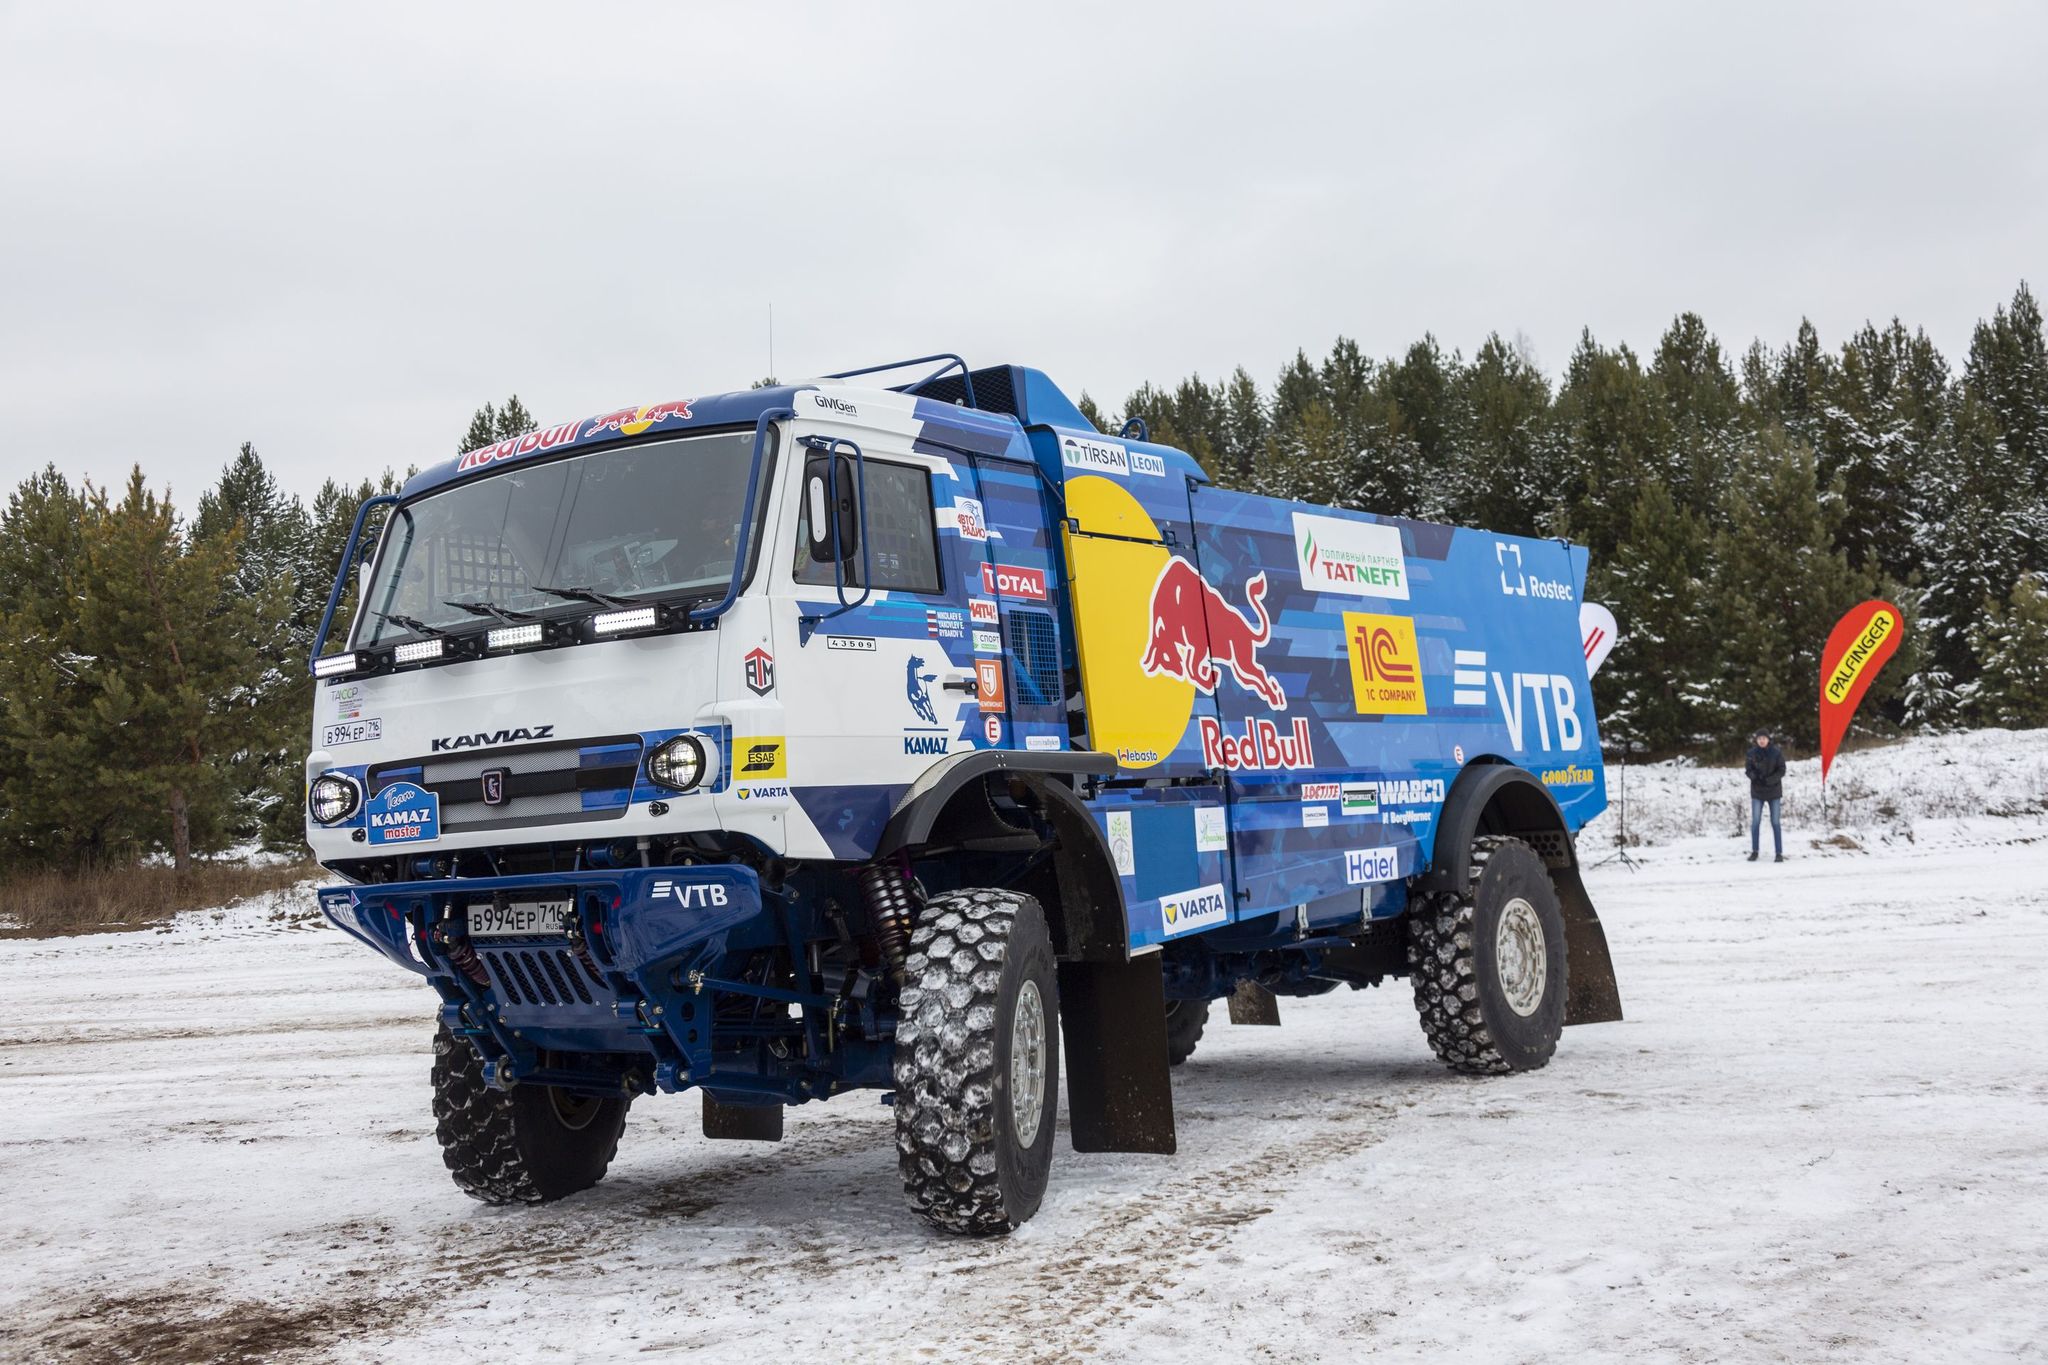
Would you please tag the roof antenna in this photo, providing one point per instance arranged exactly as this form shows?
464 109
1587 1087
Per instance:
771 341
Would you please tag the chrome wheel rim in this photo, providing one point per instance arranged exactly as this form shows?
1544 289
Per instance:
1521 956
1027 1063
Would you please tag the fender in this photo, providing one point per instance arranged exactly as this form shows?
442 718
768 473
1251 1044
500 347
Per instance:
912 821
1495 797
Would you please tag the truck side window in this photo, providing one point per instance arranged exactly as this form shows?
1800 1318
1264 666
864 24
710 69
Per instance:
903 549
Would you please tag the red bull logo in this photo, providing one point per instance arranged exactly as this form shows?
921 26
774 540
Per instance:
512 447
1195 629
633 421
1261 746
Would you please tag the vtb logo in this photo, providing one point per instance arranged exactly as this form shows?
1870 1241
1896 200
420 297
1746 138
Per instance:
1386 667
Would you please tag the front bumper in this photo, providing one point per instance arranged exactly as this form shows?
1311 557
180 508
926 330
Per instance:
624 1000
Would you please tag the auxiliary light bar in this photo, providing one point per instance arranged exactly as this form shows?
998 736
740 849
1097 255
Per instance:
634 618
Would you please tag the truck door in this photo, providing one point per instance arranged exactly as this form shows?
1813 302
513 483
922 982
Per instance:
1141 612
1019 686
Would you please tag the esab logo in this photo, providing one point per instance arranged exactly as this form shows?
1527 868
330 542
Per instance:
761 756
1187 911
1386 667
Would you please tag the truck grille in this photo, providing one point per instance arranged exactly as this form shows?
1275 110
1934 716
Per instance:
546 977
541 784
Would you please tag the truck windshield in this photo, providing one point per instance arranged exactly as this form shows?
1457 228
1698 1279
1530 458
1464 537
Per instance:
643 522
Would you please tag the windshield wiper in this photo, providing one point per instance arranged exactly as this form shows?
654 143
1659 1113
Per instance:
590 595
492 609
411 623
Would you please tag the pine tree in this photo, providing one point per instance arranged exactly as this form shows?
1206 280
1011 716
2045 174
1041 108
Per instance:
41 540
1608 416
1967 535
2013 642
492 425
1501 476
2007 371
1650 694
1779 585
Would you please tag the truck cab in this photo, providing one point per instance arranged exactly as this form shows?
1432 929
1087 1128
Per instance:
848 735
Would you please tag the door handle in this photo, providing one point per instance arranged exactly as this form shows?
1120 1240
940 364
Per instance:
960 683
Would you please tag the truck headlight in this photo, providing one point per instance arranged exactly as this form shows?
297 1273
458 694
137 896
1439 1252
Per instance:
333 798
678 763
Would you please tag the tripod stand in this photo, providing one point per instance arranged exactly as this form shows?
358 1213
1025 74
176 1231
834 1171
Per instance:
1621 854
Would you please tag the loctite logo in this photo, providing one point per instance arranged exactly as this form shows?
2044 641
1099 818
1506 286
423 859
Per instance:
1194 628
1008 580
1262 746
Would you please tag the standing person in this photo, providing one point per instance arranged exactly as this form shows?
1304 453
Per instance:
1765 764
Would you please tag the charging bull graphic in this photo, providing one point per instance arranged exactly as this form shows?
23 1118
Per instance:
1194 629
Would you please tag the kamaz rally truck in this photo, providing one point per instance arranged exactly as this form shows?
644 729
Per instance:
826 737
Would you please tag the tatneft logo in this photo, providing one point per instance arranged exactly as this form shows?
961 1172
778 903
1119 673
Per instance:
1386 666
1515 583
1188 911
1361 558
1362 865
1100 457
689 893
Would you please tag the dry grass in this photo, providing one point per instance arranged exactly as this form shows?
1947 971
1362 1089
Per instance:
42 904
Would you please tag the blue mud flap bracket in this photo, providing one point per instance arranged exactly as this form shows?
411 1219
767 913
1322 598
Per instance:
600 981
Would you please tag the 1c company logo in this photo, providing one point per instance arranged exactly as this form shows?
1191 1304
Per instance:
1386 666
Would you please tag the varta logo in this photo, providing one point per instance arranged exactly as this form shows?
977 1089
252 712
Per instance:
485 739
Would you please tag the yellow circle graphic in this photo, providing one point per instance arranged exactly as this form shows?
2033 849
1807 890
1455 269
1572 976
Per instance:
1138 718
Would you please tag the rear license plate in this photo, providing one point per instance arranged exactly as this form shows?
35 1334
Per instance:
518 917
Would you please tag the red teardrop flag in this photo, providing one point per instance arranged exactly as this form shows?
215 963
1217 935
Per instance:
1857 648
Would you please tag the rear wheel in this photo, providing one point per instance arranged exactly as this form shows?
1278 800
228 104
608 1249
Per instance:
526 1145
1488 965
1185 1020
977 1061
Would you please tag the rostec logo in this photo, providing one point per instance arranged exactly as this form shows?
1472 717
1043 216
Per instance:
1386 667
484 739
1508 556
1363 865
686 894
1194 628
633 421
512 447
1010 580
1187 911
1098 457
1361 558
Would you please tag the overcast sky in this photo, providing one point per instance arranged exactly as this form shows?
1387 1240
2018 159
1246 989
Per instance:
335 231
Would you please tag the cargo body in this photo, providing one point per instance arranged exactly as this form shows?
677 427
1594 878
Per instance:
781 743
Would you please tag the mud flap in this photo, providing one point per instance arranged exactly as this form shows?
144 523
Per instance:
1252 1003
742 1122
1119 1088
1591 994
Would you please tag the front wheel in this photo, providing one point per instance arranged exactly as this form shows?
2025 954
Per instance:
1488 965
526 1145
977 1061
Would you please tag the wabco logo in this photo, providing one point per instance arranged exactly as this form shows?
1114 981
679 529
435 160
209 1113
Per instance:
1194 628
687 894
485 739
1515 583
1188 911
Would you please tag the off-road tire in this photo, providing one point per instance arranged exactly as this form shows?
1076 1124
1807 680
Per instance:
965 1165
1184 1022
526 1145
1454 965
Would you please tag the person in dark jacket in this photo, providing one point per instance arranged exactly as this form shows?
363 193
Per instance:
1765 764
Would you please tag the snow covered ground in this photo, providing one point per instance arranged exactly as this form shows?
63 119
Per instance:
1821 1135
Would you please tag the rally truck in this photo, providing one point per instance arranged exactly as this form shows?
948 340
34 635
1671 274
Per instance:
896 736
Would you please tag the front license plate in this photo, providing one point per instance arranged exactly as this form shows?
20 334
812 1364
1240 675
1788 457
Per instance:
519 917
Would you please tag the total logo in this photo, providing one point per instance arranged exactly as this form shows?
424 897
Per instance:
1194 628
1011 580
686 894
1516 583
1187 911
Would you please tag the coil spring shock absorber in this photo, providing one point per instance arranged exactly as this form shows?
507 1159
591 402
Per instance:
461 955
885 888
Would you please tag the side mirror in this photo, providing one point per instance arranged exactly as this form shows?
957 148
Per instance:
824 510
